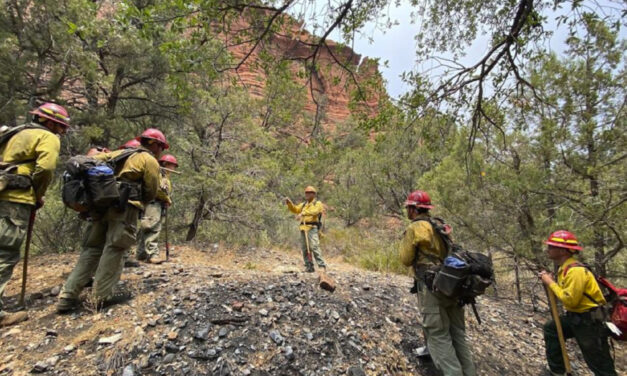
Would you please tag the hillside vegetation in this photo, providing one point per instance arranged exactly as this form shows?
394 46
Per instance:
525 142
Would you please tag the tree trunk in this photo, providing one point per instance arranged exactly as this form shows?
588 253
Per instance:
589 127
198 214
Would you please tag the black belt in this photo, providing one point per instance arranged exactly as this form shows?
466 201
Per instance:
129 190
312 223
587 315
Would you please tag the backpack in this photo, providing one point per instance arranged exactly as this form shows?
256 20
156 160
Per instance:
9 179
464 275
90 184
461 275
616 298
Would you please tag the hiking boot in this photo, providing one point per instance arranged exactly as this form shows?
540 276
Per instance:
422 352
310 269
66 305
155 260
131 264
116 298
8 319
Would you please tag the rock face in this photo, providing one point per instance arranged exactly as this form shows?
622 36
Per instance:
332 84
184 320
340 72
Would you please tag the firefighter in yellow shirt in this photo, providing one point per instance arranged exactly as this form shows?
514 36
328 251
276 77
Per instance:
309 214
110 235
151 222
579 292
30 157
443 318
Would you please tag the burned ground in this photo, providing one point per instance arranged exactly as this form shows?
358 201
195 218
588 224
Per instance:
253 313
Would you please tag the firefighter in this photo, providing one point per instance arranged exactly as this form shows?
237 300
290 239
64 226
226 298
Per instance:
309 215
31 156
578 290
154 213
110 236
443 318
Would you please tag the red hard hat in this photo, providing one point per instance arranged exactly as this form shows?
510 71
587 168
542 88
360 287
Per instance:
54 112
169 158
563 239
419 199
130 144
155 134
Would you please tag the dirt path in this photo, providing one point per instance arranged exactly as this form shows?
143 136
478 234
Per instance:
250 312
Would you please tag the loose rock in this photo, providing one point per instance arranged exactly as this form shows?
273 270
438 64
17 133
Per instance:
129 370
277 337
202 334
110 340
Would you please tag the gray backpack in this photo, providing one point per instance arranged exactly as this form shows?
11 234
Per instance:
90 184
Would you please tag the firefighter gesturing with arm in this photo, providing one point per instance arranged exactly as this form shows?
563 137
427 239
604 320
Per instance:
308 215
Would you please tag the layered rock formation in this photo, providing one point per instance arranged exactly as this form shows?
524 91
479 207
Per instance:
340 72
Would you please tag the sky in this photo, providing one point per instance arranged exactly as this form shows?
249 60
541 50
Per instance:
397 44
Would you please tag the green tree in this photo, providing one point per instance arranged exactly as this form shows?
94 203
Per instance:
582 135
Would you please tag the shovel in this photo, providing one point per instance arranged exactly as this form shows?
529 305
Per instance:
560 332
325 282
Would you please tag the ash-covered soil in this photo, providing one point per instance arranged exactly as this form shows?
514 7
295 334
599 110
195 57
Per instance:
253 312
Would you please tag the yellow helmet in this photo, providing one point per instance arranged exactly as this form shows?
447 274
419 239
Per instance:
310 189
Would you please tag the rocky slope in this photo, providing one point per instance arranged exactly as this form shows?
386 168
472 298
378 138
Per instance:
251 312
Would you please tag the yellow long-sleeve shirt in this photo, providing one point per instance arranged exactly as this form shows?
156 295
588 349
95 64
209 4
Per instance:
421 245
139 167
42 147
572 287
309 212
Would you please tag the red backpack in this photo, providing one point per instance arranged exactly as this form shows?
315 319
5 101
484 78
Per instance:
616 301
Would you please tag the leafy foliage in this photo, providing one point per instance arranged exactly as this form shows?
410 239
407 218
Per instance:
520 144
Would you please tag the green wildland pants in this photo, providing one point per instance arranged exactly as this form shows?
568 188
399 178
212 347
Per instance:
149 230
13 225
591 336
314 247
102 256
445 331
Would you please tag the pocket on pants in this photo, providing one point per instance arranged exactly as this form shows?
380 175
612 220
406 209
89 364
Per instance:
124 232
431 319
148 223
123 236
151 217
12 232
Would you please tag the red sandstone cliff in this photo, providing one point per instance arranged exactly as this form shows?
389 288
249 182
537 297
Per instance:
340 71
